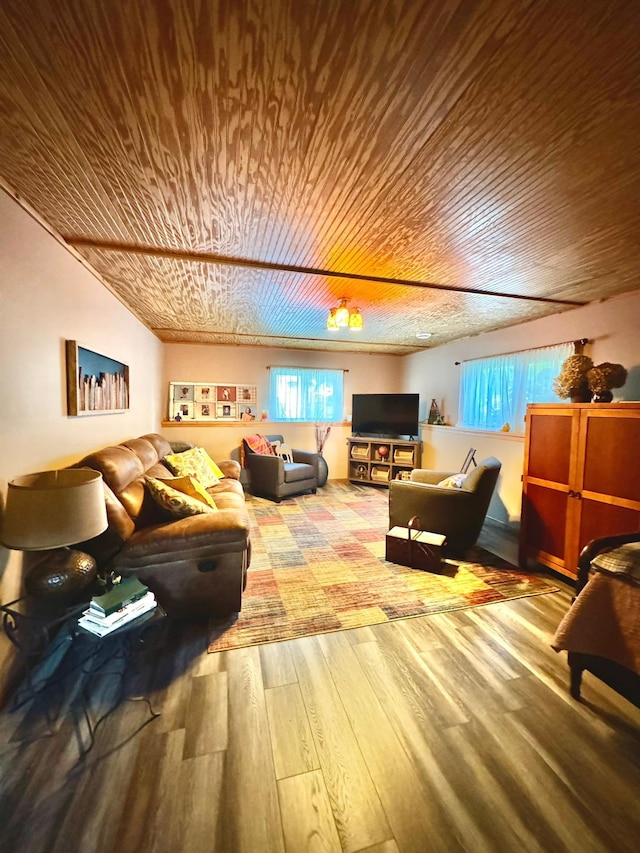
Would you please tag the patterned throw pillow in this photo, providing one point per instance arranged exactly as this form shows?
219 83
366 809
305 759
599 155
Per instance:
174 502
216 471
191 463
190 486
455 481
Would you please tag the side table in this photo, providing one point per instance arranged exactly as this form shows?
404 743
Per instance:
102 654
39 631
59 656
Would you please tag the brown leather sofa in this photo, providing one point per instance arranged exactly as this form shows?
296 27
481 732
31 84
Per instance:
196 566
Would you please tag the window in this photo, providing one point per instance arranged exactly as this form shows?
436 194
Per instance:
305 394
495 391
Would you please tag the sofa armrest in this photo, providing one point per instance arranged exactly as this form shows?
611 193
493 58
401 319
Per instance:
230 468
307 457
266 471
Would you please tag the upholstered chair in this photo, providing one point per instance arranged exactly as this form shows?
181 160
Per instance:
457 510
271 476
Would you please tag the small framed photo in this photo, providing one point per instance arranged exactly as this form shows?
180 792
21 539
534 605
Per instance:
182 391
247 394
226 393
226 410
205 393
247 413
182 411
205 411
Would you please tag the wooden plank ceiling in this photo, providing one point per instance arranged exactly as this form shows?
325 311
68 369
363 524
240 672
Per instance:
477 145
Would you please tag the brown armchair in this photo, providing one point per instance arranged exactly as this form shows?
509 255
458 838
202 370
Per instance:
458 513
270 476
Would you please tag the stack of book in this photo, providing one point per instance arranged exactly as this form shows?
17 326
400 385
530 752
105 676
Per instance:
125 601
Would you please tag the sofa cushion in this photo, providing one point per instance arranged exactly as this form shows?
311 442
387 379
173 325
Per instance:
296 471
121 527
175 502
160 443
144 450
119 466
192 463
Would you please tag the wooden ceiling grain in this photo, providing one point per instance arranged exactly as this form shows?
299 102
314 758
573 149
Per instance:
488 147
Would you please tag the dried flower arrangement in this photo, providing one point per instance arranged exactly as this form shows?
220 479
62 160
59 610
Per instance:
322 434
572 379
605 376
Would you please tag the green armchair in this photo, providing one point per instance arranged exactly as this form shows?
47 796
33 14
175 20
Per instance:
458 513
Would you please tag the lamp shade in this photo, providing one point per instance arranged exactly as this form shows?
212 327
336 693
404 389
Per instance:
52 509
342 314
355 320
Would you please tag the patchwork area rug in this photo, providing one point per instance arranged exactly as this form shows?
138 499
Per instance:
318 565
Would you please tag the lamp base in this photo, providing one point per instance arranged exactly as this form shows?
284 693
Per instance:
62 576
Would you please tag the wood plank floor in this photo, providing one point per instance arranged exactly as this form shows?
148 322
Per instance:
448 732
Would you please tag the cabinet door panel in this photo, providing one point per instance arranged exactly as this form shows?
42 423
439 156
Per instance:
550 447
546 511
602 519
612 457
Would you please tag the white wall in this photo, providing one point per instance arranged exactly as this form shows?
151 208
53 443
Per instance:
248 365
46 297
612 329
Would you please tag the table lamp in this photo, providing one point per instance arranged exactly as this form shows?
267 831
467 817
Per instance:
55 509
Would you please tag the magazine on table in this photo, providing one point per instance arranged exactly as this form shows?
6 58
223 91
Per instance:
102 625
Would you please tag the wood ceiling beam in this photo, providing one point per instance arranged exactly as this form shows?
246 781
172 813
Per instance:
212 258
359 342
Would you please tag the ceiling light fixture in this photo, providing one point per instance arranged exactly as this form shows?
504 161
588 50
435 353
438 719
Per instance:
423 335
343 318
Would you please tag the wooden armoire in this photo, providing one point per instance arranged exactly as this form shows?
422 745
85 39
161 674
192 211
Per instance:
581 479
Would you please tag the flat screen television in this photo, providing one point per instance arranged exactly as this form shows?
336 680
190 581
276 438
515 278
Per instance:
385 415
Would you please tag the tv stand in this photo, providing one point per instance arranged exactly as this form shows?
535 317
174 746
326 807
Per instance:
376 461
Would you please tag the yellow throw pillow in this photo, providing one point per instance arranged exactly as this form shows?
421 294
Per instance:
174 502
191 463
216 471
190 486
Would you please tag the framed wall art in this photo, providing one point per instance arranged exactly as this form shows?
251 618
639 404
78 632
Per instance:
96 383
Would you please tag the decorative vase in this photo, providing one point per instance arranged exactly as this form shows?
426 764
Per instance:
323 471
602 396
581 394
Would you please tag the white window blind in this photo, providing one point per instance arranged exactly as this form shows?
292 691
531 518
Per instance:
305 394
495 391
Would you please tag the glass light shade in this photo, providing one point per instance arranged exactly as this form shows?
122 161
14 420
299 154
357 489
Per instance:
53 509
355 320
342 314
332 324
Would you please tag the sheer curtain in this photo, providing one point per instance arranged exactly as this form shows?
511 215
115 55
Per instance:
495 391
305 394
